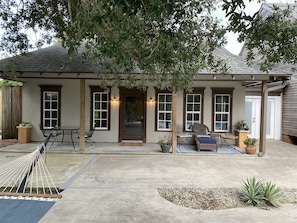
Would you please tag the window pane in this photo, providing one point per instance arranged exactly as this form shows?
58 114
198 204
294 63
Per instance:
161 98
104 97
218 117
196 117
168 116
197 107
161 116
168 107
161 107
54 123
104 105
218 99
47 105
47 114
197 98
54 105
190 98
168 98
190 107
54 114
104 115
104 124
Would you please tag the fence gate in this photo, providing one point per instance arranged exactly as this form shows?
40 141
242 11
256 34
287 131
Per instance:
11 111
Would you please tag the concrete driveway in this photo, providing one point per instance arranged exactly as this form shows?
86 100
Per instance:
102 187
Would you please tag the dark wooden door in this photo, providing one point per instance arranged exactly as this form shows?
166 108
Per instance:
132 115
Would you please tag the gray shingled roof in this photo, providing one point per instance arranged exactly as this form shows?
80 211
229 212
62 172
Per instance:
52 60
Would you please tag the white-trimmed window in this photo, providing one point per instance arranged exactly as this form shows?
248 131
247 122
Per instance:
100 110
164 112
193 110
50 105
50 109
222 112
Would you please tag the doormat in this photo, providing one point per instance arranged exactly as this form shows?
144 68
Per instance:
131 144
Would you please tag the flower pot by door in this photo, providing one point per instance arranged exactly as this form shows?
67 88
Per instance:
250 149
165 148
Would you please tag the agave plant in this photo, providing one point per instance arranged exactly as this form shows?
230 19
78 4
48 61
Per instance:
272 194
252 192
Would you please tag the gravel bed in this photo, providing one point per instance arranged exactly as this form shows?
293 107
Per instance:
214 198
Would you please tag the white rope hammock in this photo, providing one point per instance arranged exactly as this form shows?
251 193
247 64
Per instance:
27 177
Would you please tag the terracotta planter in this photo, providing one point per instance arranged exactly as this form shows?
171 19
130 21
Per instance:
165 148
250 149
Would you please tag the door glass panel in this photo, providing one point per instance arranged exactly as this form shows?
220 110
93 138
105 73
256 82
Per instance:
133 116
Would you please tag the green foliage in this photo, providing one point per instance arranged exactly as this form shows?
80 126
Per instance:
250 141
269 39
9 83
259 193
165 140
272 194
168 41
241 125
252 192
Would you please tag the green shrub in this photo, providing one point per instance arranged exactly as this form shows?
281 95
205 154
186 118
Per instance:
259 193
252 192
272 194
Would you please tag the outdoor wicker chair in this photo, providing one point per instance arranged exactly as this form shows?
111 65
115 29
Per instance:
205 140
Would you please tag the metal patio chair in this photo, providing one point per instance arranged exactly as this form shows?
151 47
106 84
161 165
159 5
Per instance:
88 136
47 132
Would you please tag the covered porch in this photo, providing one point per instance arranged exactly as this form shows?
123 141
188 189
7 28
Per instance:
274 149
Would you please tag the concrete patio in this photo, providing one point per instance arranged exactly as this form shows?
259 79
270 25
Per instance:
112 183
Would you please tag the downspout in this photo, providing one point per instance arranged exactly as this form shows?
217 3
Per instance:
264 118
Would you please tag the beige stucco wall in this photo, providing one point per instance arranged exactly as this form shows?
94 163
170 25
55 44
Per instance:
70 107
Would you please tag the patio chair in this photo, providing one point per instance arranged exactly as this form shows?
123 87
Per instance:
88 136
183 137
205 140
47 132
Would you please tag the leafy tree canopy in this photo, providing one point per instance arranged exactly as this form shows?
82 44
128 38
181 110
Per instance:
168 40
10 83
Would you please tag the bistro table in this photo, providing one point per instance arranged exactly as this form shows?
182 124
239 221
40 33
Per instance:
67 130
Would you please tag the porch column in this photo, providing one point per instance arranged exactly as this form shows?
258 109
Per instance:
82 115
263 116
173 127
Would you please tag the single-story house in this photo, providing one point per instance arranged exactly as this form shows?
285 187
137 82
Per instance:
55 93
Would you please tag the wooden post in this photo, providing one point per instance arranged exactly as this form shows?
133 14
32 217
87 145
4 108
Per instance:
82 115
263 115
173 127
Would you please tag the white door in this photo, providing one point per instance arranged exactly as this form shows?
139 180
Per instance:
253 116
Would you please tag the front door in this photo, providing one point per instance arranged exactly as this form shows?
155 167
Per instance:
132 114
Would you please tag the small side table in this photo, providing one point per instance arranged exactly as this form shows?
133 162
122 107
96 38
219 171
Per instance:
24 134
242 135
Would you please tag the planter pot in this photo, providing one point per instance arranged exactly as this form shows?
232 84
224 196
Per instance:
165 148
250 149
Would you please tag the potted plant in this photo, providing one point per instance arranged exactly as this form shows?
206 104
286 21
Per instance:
165 143
250 145
241 125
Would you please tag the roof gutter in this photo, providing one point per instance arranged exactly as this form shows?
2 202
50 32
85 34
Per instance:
264 118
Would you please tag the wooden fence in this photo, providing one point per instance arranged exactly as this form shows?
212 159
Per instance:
11 111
